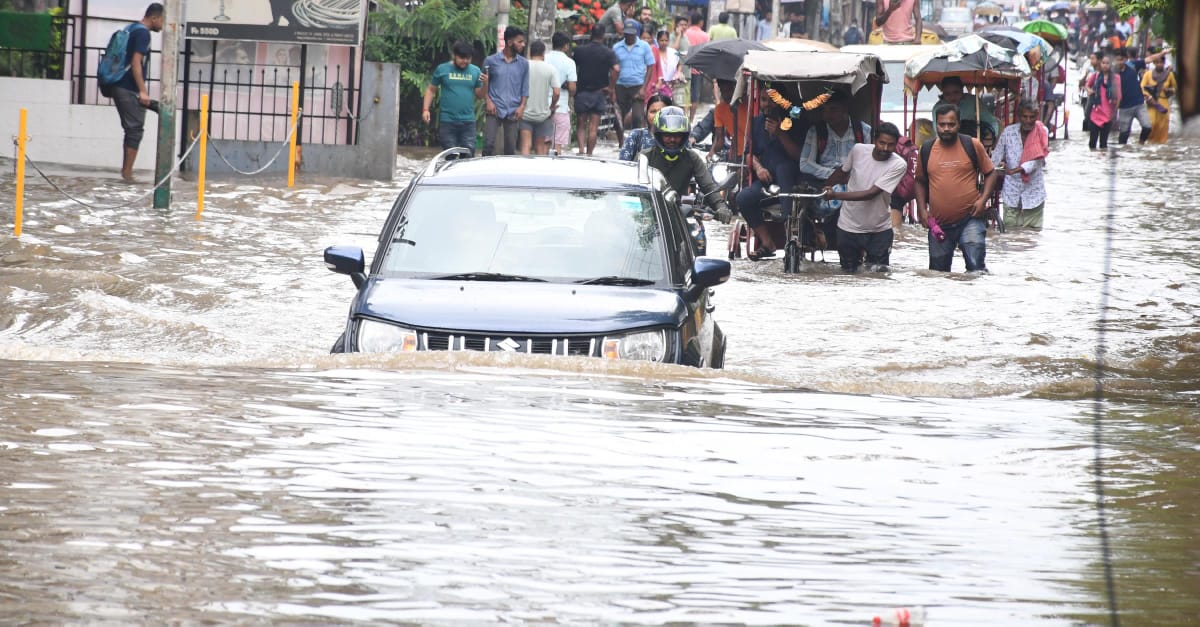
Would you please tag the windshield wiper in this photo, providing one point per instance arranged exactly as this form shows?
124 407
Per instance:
616 280
486 276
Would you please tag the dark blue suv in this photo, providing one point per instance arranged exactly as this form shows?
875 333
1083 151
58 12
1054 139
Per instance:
549 255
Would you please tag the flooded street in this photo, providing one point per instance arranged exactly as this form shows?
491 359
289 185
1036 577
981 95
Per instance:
177 445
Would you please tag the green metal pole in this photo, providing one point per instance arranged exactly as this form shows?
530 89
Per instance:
165 157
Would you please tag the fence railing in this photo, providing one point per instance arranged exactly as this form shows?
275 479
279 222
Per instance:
252 101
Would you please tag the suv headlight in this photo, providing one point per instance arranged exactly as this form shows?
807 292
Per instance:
380 337
644 345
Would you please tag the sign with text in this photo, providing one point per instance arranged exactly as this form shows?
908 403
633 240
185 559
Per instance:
337 22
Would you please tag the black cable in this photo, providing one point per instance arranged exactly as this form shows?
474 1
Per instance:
1114 616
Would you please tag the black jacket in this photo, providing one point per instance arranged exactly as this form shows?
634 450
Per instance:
680 172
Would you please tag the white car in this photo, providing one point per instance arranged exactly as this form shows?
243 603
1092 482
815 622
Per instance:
957 21
891 108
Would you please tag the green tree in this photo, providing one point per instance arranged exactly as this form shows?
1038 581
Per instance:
418 38
1159 14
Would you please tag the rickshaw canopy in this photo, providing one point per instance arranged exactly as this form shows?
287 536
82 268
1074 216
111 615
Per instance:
830 68
973 59
796 44
721 59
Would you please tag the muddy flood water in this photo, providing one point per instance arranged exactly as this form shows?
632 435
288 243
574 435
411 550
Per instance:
177 445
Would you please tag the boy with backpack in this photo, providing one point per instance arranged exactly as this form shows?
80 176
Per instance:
122 77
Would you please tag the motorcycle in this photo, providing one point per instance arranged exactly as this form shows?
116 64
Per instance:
695 208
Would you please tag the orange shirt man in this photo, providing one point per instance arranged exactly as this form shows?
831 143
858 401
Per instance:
948 200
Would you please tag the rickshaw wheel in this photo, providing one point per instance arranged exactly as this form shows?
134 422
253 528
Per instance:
791 258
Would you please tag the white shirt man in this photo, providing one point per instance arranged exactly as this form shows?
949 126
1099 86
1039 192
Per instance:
871 172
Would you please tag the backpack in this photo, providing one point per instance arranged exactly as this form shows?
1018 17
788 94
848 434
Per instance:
906 189
112 67
968 147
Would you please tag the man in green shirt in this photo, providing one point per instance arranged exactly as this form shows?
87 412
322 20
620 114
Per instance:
722 29
461 83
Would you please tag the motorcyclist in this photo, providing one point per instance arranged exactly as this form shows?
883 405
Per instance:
680 164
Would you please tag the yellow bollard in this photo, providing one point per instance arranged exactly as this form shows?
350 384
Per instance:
292 150
20 172
203 155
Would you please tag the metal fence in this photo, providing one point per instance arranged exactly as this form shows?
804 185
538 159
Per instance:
249 94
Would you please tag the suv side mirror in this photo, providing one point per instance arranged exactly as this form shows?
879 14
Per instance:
708 272
347 260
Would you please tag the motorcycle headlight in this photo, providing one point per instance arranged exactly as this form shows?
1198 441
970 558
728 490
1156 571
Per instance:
644 346
380 337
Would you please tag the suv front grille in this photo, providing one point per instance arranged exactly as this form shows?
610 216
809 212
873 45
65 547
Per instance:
585 345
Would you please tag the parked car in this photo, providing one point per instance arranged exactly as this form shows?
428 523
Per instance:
957 21
543 255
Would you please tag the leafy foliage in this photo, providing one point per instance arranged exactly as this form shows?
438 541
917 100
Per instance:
1144 8
418 38
1160 14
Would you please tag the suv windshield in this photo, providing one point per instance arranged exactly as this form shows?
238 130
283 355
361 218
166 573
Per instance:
550 234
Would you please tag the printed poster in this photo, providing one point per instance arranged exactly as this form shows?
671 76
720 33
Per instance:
336 22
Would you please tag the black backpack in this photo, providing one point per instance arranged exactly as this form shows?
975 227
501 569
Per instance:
968 147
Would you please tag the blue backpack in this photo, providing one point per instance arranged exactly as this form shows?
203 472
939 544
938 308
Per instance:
112 66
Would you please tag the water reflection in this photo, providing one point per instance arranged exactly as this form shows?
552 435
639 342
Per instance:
368 495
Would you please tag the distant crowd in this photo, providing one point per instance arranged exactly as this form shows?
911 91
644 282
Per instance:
632 72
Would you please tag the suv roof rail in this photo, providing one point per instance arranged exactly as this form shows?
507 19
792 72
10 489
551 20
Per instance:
445 157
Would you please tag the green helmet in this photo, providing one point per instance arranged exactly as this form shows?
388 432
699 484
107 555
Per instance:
670 121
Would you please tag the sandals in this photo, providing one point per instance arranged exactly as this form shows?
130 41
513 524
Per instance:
761 253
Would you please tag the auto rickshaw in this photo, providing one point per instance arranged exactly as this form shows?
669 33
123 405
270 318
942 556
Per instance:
800 82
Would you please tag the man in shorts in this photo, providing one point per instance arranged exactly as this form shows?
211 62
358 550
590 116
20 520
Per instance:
568 74
537 127
597 68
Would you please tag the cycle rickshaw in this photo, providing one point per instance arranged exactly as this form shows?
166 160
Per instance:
800 82
983 66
